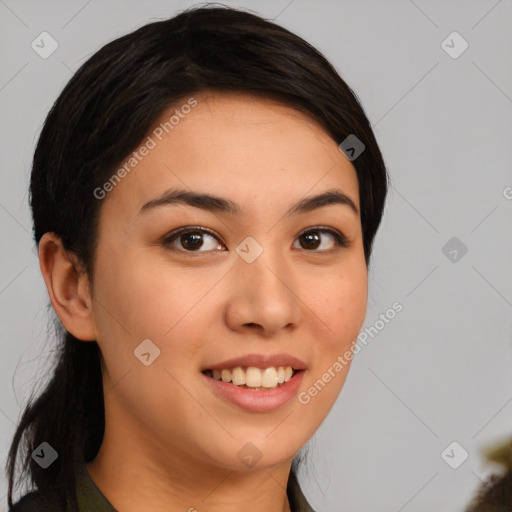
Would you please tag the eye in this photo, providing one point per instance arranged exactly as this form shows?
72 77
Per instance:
198 239
312 239
193 239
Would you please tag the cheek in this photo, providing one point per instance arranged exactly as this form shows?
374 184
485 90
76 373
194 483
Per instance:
350 304
138 299
148 296
341 303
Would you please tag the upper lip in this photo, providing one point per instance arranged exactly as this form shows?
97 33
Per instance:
260 361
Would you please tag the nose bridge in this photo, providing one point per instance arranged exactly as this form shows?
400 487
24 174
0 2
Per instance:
267 275
265 293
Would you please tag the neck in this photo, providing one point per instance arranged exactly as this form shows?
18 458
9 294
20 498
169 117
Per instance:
156 480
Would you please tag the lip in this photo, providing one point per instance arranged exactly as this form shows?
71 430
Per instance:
256 400
259 361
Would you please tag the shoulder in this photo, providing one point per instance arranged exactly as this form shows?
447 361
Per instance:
36 501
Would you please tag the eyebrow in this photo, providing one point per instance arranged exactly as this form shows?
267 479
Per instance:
221 205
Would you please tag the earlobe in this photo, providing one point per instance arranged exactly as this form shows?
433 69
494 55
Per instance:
68 288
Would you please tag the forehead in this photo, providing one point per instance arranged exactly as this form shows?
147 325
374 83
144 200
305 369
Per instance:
255 151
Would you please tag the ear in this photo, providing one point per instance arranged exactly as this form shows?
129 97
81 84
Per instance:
68 287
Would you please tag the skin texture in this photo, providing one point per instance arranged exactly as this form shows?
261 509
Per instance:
170 442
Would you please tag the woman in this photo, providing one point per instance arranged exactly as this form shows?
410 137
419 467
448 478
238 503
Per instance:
205 194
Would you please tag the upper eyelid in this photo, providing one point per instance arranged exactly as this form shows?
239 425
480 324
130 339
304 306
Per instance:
189 229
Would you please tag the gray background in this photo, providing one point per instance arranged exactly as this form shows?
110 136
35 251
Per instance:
441 370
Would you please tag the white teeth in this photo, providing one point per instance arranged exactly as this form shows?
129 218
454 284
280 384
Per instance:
254 377
238 376
269 377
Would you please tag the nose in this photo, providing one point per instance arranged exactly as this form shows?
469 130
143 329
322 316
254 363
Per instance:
264 296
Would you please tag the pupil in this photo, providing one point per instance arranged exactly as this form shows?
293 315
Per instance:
196 240
312 240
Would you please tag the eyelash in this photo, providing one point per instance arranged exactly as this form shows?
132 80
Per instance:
341 240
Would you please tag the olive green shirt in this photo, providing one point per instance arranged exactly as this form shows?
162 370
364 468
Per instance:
91 499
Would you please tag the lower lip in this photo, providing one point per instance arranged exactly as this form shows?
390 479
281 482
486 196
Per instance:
261 400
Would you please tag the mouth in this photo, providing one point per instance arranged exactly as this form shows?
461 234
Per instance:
260 383
253 377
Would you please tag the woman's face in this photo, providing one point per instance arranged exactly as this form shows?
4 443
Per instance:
257 276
